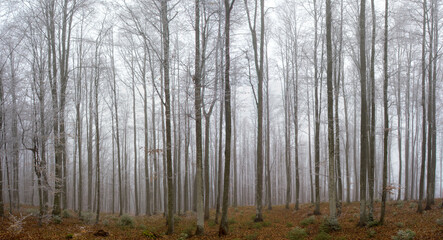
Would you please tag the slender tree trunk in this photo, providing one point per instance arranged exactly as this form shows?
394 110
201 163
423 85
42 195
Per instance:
224 219
423 102
331 179
386 116
165 38
316 117
371 162
97 144
198 125
364 113
2 209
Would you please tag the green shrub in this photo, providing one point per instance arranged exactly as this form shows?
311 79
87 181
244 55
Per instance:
289 224
87 217
307 221
142 227
404 235
440 222
57 219
266 224
329 225
400 225
66 214
297 233
323 236
373 223
251 236
177 219
371 233
150 235
183 236
400 204
231 221
126 221
69 236
211 223
190 230
105 222
412 205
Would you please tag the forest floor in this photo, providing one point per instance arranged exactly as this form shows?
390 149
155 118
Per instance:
277 224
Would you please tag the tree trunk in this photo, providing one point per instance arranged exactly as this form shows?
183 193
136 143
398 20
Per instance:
198 125
316 117
371 162
224 219
165 39
386 117
364 113
423 102
329 82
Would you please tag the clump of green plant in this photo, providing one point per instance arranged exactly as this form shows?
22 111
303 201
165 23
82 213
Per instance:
323 236
297 233
211 223
183 236
400 224
57 219
394 213
231 221
329 225
252 236
177 219
190 230
307 221
105 222
126 221
412 205
87 217
289 224
69 236
150 235
371 233
372 223
257 225
400 204
266 224
142 227
407 234
66 214
440 222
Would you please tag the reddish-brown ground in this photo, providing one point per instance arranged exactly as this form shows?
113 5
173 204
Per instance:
278 222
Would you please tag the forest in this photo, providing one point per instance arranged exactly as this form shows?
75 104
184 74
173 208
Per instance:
207 119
